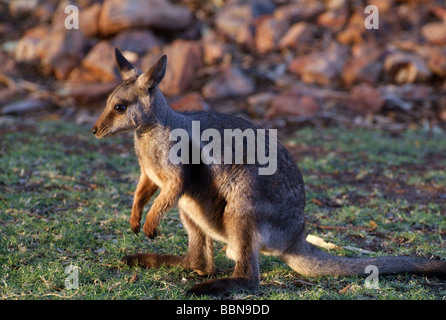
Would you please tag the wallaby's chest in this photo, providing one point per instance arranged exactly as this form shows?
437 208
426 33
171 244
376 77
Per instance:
150 160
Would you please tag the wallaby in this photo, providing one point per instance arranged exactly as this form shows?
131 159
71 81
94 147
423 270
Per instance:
232 203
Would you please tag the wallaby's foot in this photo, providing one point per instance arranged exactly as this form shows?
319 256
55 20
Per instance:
152 260
223 286
149 231
135 225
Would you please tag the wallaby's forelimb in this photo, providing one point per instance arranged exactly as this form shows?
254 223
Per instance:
167 198
144 191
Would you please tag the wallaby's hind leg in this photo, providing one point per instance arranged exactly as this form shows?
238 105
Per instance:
200 254
199 257
243 248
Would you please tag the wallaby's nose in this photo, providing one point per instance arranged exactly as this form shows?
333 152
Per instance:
94 130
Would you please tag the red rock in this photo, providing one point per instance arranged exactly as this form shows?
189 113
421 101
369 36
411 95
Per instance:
299 11
100 62
365 98
354 31
298 35
405 67
435 32
138 41
363 66
213 48
190 102
333 19
231 82
268 34
185 58
20 8
292 104
90 94
442 115
89 20
63 51
320 67
238 14
119 15
29 47
437 62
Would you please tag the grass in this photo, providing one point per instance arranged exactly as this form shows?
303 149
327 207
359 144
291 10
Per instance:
66 197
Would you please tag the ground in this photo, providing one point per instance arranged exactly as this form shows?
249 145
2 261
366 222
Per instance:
65 200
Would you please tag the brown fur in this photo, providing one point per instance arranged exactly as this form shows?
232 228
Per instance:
252 213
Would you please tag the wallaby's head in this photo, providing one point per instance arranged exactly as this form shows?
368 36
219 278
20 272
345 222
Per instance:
131 103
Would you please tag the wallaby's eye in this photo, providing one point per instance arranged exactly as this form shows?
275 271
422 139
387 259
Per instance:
120 108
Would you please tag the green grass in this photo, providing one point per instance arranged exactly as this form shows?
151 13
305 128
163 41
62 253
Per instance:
65 199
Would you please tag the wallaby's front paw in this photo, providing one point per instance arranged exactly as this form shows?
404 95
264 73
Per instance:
151 233
135 225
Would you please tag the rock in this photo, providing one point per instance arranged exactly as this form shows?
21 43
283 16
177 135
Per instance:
241 13
185 58
21 8
120 15
30 46
365 98
298 36
100 62
437 62
363 66
333 19
442 115
190 102
292 104
246 35
321 68
354 31
88 94
138 41
297 11
213 48
268 34
260 102
435 32
27 106
405 67
231 82
64 49
89 20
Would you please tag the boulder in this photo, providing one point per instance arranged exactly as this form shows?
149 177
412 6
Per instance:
231 82
119 15
100 62
30 46
268 34
292 104
190 102
321 67
365 98
64 50
185 58
435 32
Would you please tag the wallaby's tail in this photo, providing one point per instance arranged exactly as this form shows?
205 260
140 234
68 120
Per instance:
308 260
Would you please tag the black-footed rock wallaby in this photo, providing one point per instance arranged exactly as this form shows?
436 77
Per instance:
230 202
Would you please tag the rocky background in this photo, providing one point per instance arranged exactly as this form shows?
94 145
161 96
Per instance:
282 63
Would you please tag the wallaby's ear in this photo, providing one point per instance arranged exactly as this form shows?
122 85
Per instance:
155 74
126 69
